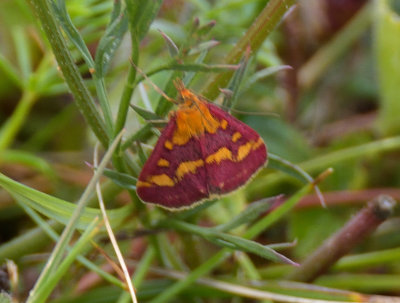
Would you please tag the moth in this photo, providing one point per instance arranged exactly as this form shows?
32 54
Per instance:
202 153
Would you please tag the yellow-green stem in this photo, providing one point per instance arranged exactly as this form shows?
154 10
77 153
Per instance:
11 127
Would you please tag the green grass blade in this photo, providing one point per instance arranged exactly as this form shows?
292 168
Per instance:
229 241
10 71
387 26
56 208
13 124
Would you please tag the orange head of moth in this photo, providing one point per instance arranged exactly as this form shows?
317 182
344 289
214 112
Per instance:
193 117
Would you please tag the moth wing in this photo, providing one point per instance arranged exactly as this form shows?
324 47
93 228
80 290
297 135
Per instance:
174 176
235 152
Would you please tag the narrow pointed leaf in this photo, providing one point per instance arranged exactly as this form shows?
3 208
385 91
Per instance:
69 28
109 43
56 208
145 114
124 180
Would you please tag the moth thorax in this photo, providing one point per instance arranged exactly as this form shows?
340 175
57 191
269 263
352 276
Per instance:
193 120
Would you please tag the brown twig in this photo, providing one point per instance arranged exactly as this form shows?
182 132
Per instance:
356 230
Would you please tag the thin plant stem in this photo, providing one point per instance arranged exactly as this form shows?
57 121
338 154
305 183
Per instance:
82 96
11 127
265 23
112 236
140 272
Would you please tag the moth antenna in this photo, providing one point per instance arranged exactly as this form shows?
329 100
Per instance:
156 88
179 85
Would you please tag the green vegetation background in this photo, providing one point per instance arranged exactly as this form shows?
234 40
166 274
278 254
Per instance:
323 74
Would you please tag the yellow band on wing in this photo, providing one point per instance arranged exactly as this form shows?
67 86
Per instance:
188 167
168 145
222 154
236 136
162 163
161 180
225 154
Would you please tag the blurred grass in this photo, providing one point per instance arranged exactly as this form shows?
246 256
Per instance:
67 83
